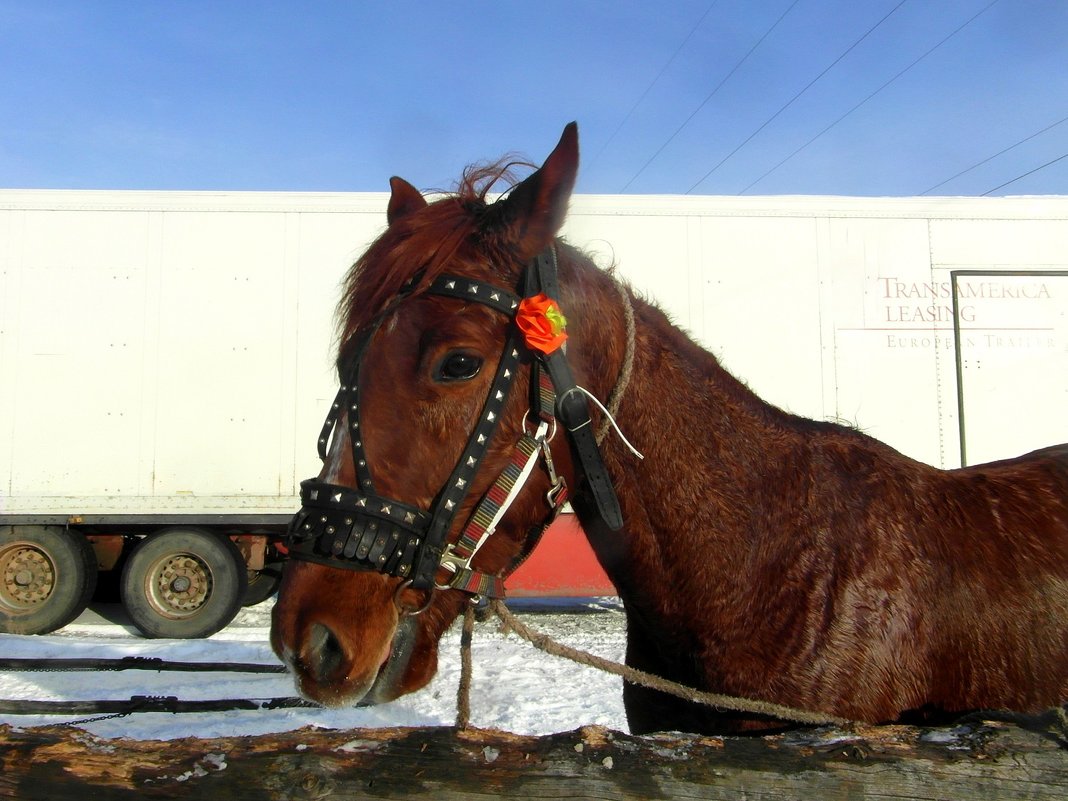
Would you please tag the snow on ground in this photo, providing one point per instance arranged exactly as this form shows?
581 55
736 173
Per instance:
515 687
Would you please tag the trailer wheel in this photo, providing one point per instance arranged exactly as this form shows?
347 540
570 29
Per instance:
183 583
262 584
47 576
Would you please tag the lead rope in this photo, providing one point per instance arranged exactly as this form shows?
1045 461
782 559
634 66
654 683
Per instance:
546 644
463 691
763 708
616 398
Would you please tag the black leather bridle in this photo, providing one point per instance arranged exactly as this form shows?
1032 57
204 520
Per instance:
358 529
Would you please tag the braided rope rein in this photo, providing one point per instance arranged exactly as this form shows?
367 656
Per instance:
546 644
616 397
463 692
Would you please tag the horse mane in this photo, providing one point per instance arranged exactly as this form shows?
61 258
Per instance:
415 249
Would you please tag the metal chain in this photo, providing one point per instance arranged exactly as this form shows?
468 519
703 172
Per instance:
83 721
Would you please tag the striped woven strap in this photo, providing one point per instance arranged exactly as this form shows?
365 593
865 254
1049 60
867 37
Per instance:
478 583
494 502
545 402
487 515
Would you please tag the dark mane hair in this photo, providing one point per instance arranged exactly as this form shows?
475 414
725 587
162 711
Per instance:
415 249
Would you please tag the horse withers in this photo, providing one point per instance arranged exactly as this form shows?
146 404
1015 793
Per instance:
757 554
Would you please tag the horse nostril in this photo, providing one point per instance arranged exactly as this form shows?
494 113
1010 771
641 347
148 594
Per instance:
322 655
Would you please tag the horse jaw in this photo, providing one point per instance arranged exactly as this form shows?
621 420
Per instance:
344 643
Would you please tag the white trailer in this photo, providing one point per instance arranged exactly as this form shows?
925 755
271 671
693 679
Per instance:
164 362
166 359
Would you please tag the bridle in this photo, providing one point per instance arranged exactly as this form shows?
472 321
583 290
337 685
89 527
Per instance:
358 529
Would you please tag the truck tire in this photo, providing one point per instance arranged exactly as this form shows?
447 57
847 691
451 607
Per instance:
262 584
183 583
47 576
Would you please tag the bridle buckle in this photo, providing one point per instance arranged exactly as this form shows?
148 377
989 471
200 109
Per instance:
452 562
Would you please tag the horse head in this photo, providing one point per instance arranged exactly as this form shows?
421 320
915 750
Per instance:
438 472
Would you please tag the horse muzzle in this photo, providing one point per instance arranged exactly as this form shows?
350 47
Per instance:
326 673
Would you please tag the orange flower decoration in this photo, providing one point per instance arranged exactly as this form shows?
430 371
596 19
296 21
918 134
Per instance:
542 323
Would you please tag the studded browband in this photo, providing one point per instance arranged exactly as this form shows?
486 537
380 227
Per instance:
358 529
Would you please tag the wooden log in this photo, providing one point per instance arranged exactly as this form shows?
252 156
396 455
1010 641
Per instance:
977 761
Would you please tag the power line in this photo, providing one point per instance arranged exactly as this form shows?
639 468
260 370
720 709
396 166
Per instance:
655 80
873 94
791 101
1029 172
710 95
999 153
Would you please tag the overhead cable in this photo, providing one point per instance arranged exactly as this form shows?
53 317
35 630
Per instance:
655 80
1029 172
972 19
710 95
793 99
999 153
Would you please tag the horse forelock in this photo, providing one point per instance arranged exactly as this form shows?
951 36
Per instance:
416 249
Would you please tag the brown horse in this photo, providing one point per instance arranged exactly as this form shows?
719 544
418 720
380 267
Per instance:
761 555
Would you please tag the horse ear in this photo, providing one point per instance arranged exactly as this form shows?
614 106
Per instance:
404 200
535 209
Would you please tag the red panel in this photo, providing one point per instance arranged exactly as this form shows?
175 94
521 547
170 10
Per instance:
563 565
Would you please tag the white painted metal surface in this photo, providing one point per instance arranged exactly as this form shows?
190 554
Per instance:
170 353
840 308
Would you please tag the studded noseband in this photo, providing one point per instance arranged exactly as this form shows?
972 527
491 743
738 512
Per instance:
358 529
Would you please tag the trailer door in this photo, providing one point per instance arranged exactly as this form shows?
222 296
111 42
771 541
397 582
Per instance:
1011 336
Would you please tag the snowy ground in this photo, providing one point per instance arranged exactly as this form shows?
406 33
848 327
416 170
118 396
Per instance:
515 687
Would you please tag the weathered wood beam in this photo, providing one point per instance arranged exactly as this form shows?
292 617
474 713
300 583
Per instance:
978 761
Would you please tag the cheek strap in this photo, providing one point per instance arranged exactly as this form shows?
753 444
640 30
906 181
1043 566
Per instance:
491 509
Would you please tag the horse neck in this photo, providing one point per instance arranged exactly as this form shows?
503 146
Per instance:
703 433
679 403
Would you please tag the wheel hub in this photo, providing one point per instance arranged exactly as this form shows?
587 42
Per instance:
181 584
28 576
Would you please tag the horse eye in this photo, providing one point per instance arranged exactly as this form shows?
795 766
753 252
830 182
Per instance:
459 367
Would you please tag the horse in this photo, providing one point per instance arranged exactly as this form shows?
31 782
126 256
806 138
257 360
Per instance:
756 553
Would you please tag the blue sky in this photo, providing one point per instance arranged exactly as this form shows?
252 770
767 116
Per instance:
338 96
